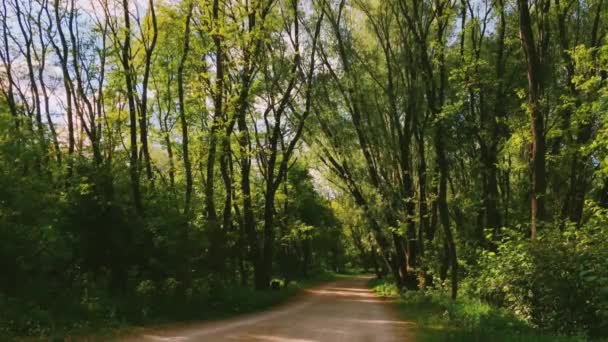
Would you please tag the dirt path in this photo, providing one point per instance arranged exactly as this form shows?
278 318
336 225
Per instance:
344 310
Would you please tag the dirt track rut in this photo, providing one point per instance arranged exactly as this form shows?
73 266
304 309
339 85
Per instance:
344 310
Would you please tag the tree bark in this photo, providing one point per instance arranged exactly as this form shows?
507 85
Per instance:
182 116
143 113
535 89
63 53
217 117
127 70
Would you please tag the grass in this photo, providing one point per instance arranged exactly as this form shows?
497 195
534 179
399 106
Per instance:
440 319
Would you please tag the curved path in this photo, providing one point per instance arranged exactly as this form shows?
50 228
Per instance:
343 310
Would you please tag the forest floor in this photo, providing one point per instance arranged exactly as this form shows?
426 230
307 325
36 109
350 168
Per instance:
342 310
439 319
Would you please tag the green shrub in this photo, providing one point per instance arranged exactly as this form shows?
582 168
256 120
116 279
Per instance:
384 288
559 282
439 318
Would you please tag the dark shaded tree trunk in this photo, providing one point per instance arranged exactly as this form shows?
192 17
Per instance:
249 224
43 86
182 118
143 113
269 235
425 231
217 117
580 172
226 170
127 70
29 47
165 131
62 53
7 61
604 194
444 217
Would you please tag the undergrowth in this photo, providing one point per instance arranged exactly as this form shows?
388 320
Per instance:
102 317
439 318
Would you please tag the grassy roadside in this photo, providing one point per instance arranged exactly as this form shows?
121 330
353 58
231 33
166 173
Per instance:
440 319
226 302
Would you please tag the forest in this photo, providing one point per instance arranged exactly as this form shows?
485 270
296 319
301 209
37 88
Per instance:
157 156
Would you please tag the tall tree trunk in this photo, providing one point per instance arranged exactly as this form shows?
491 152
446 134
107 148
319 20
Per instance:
425 231
442 205
226 170
269 234
83 105
493 216
126 66
143 113
43 87
580 173
409 251
217 117
29 46
535 89
182 116
248 215
62 53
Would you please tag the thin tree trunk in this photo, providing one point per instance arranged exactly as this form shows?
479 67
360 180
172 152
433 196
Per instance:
182 115
126 66
28 37
248 215
47 107
143 117
442 205
7 61
217 117
62 53
226 170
